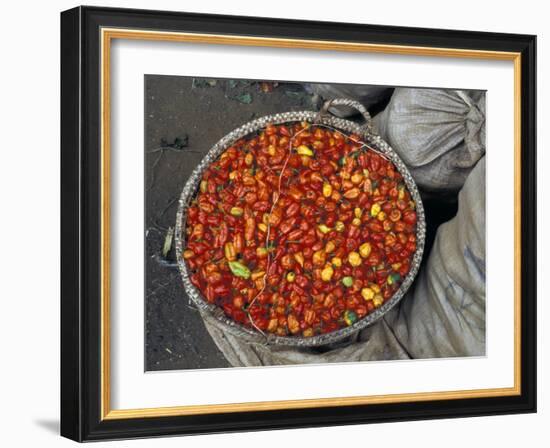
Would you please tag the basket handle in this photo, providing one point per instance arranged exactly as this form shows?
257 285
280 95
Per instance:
350 103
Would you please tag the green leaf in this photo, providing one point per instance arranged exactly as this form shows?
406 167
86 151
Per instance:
244 98
168 242
239 270
199 83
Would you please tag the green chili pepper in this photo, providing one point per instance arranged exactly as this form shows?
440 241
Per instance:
347 281
239 270
393 278
350 317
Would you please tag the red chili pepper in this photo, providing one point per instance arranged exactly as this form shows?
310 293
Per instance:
292 210
409 217
261 206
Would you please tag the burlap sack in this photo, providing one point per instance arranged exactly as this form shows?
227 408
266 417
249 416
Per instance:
439 134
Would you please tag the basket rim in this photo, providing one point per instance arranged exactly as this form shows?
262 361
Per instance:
190 189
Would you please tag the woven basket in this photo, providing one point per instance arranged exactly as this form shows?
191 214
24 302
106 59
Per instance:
323 117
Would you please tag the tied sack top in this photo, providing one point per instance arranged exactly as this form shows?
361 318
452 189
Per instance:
439 134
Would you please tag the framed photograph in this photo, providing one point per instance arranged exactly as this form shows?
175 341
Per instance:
276 224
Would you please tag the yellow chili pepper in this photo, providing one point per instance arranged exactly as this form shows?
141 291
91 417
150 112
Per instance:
375 209
257 274
236 211
367 293
329 247
365 250
273 324
327 273
339 226
327 190
319 258
303 150
299 257
357 178
401 193
354 259
375 287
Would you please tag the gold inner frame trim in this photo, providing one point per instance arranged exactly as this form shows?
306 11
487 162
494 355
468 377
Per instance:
107 35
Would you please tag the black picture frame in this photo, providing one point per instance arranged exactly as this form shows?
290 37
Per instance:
81 224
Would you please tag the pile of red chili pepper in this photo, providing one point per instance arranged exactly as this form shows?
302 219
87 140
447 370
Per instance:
300 230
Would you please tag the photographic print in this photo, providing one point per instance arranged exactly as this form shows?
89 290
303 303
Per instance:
302 211
293 223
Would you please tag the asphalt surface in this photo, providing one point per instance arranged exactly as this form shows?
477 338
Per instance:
184 117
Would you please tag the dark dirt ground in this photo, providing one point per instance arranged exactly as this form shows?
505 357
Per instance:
187 116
